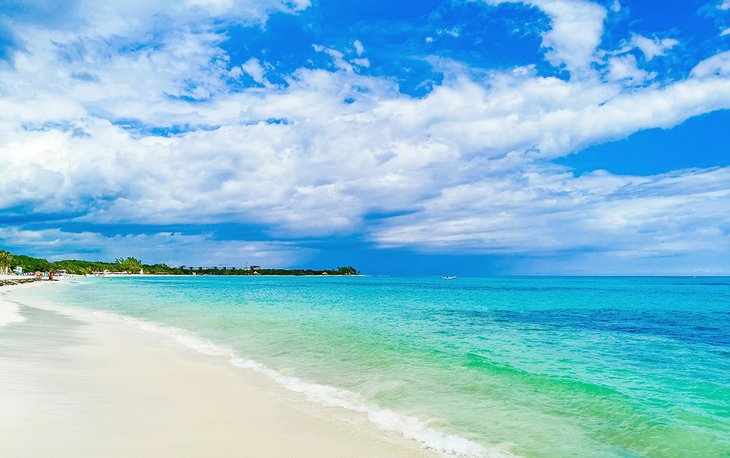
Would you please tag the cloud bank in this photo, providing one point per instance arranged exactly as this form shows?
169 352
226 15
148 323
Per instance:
135 113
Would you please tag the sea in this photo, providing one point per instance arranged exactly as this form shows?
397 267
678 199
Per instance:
503 366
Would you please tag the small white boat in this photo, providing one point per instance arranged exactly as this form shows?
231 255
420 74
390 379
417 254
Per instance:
448 277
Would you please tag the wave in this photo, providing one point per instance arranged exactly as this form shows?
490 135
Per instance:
388 420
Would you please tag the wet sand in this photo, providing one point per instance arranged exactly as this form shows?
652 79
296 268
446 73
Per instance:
74 384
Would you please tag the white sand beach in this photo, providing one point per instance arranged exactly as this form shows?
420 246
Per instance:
75 384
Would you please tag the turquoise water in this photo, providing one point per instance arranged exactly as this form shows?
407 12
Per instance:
549 367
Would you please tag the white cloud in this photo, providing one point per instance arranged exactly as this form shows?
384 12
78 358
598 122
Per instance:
547 211
315 155
338 58
577 26
138 17
652 47
303 174
725 32
361 62
715 66
359 48
725 5
528 70
626 68
256 71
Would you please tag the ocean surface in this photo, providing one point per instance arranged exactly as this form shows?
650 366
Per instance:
548 367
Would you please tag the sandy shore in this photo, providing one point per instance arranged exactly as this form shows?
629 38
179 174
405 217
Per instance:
74 384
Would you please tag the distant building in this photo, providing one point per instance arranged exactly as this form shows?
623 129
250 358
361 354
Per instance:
18 270
254 268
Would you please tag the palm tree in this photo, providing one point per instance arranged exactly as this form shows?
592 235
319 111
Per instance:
6 261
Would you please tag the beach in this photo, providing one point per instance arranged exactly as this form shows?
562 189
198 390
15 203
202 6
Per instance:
365 366
75 383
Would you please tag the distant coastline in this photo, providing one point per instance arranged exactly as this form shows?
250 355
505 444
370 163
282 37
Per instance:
24 265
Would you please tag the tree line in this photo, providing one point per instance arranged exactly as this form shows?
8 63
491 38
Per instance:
131 265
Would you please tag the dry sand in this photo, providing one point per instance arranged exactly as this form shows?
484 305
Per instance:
77 385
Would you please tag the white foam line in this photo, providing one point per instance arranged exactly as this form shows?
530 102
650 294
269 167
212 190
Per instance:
408 426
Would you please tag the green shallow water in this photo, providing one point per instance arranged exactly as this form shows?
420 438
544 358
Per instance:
538 366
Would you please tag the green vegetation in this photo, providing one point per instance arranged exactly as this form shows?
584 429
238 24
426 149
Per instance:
6 261
133 265
31 264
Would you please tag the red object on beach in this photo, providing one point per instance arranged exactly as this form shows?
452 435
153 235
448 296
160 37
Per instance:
50 276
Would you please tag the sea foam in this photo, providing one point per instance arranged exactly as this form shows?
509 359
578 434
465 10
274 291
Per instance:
388 420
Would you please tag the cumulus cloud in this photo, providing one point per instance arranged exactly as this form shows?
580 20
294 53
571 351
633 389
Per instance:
256 71
652 47
626 68
301 172
577 26
323 162
151 130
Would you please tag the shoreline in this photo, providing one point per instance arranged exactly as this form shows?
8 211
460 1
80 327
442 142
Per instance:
91 385
7 280
208 275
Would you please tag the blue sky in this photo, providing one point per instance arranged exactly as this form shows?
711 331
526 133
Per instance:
412 137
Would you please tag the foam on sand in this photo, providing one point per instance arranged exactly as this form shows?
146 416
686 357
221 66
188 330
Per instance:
72 384
388 420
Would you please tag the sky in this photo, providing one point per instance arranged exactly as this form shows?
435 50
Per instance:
408 137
